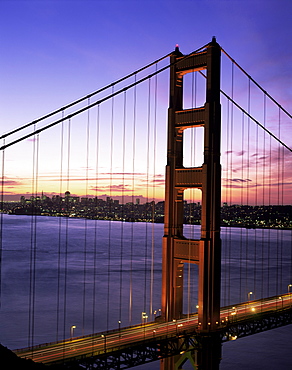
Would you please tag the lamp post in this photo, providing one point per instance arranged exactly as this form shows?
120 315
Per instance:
282 301
144 320
249 294
174 320
119 327
144 317
72 331
233 313
103 336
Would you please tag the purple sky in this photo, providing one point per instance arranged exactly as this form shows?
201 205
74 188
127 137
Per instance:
53 52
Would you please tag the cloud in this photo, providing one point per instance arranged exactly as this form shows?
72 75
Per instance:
160 182
238 183
113 188
239 180
281 184
239 154
12 183
100 176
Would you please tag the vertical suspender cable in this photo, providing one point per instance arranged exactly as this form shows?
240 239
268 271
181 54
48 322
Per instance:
247 287
257 179
256 210
31 251
110 205
264 200
281 201
192 199
242 202
228 183
231 146
230 160
243 138
228 247
66 241
153 196
269 229
33 248
95 223
264 235
278 280
85 220
59 235
192 140
123 203
147 194
35 235
133 191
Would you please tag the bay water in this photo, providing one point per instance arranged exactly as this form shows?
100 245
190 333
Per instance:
94 275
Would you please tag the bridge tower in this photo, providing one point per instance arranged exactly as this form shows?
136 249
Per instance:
178 250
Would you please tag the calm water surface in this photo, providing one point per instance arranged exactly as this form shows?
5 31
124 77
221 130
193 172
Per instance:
59 272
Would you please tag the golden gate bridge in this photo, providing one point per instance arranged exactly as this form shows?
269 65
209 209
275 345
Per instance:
227 143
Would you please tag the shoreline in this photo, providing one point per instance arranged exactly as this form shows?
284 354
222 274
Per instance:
143 220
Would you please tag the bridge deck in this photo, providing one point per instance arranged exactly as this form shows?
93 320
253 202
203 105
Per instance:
106 343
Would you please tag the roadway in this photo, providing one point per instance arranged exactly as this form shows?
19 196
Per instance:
107 342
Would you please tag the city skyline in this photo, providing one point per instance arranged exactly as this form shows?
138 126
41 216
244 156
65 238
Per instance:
134 210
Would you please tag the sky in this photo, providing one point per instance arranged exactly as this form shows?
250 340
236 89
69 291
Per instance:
54 52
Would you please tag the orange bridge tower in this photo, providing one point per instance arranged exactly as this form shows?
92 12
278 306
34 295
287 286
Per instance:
177 249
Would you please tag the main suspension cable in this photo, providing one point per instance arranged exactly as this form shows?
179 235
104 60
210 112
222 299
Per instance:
265 92
59 110
97 102
251 117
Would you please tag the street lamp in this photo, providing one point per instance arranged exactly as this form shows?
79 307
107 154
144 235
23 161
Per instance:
119 328
174 320
233 313
144 317
249 294
103 336
72 331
